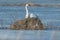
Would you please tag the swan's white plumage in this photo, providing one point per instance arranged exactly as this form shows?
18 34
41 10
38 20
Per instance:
33 15
29 15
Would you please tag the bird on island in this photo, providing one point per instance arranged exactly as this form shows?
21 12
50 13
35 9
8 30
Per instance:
31 15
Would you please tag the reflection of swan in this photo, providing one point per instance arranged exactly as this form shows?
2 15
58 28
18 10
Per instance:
27 14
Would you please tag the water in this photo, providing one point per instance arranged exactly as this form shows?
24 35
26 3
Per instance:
9 14
24 1
28 35
49 16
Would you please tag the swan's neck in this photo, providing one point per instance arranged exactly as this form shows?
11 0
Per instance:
27 15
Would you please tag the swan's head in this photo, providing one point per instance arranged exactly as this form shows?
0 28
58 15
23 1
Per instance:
27 5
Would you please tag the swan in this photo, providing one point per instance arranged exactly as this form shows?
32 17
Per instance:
31 15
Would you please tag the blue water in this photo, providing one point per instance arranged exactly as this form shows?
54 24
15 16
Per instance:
49 16
28 35
24 1
9 14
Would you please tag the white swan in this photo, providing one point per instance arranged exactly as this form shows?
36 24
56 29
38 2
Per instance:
27 14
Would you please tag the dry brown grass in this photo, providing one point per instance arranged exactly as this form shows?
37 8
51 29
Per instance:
27 24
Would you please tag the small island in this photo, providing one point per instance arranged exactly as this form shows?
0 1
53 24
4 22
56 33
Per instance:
30 22
27 24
